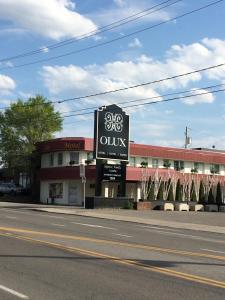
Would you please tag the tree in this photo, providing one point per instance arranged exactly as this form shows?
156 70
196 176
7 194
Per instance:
170 194
151 195
201 193
160 191
211 197
178 191
218 194
193 192
22 125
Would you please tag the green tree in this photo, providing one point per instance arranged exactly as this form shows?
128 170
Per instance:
151 196
170 193
193 192
160 191
22 125
219 194
178 191
211 197
201 192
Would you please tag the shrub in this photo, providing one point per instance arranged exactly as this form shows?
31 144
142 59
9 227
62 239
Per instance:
128 205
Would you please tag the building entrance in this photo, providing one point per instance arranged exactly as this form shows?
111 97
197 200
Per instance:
74 195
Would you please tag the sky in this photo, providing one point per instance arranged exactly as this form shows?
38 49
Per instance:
65 49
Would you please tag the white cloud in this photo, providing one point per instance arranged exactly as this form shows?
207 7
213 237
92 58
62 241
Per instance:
44 49
70 80
4 102
122 9
153 130
120 3
54 19
7 84
198 99
135 43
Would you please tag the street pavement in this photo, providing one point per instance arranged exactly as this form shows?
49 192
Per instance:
72 253
199 221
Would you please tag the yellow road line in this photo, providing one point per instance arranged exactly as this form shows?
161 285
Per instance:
164 271
100 241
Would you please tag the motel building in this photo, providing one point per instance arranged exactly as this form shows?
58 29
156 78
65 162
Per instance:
59 174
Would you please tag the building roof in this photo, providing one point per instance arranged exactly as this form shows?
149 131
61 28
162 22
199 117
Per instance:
171 153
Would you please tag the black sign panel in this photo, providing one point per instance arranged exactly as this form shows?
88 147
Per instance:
111 133
112 172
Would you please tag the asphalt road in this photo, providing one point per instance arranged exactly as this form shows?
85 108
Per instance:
47 256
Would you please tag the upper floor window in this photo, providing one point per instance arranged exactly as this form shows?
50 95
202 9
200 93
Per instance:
214 169
90 156
178 165
155 163
74 158
166 163
198 167
60 158
132 161
51 159
144 162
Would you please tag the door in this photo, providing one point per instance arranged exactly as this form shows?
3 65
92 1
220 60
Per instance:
74 197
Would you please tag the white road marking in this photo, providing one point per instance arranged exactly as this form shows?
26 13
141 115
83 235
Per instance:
13 292
92 225
60 225
123 235
156 227
10 217
213 251
195 237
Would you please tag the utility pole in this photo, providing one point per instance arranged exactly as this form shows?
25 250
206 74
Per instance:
187 138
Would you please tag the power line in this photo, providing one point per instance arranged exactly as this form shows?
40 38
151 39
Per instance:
150 98
116 39
142 84
176 98
155 102
135 86
92 33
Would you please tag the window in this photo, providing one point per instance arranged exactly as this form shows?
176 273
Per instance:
132 161
90 156
178 165
215 169
74 158
199 167
60 159
144 162
166 163
56 190
155 163
51 159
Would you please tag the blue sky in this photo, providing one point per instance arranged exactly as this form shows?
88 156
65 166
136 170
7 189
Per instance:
193 42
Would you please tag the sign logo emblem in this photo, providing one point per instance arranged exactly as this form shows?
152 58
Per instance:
113 122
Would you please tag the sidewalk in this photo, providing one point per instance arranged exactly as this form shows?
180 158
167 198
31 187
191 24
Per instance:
200 221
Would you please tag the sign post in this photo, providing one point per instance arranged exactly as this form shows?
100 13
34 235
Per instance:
111 142
83 180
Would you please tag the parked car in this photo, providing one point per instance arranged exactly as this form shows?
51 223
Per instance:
9 188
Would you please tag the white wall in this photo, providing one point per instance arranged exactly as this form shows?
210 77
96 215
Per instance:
44 192
45 159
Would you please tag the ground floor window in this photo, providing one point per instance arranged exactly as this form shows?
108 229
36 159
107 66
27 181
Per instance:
56 190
